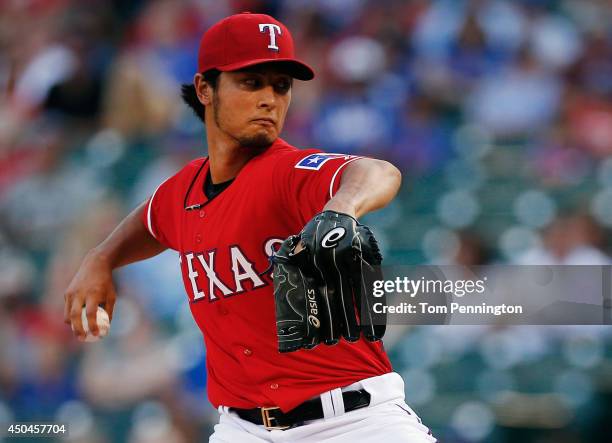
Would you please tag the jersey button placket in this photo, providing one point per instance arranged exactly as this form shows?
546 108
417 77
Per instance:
274 386
247 352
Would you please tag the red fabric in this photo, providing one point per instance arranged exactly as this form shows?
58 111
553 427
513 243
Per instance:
233 234
590 123
246 39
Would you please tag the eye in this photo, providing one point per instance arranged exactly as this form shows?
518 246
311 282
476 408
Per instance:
282 86
251 82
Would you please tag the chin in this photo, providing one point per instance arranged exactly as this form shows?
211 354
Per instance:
257 141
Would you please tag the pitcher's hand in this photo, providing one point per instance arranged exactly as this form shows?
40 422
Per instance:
92 286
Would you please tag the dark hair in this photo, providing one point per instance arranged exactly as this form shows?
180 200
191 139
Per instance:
190 97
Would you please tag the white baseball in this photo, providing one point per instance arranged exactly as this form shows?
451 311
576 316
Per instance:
103 325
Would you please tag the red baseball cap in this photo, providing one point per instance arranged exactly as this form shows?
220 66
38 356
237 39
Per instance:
246 39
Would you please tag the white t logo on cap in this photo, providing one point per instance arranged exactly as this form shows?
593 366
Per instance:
272 29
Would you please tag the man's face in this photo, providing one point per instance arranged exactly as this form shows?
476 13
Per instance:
250 105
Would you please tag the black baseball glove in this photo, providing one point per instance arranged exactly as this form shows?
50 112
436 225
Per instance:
324 291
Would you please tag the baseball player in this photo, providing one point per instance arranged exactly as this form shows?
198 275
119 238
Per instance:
226 214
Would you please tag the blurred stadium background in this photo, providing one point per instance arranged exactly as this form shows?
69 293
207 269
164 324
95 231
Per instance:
498 112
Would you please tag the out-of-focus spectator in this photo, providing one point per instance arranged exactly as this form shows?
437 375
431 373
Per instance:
557 160
348 122
592 72
470 55
569 240
472 250
589 119
35 369
503 25
423 143
517 102
554 39
144 84
17 276
38 208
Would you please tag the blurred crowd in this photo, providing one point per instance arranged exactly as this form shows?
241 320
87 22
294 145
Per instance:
498 112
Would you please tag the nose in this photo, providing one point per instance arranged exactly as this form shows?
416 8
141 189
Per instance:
267 98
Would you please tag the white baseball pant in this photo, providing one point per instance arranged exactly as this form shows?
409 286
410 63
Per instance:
388 418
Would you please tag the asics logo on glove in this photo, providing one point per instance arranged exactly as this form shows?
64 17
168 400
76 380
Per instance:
314 311
332 238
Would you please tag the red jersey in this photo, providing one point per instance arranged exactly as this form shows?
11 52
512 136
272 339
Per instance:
224 245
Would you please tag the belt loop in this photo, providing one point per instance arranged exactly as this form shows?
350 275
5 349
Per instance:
338 401
327 404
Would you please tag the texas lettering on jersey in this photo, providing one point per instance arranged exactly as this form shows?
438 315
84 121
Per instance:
203 271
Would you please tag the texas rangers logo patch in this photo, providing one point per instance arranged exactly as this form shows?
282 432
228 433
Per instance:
314 162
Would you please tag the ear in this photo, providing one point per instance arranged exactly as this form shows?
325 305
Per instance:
203 89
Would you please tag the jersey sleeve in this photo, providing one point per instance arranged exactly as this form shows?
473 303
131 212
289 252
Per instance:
162 210
307 179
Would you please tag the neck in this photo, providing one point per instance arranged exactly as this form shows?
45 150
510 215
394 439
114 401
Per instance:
226 156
